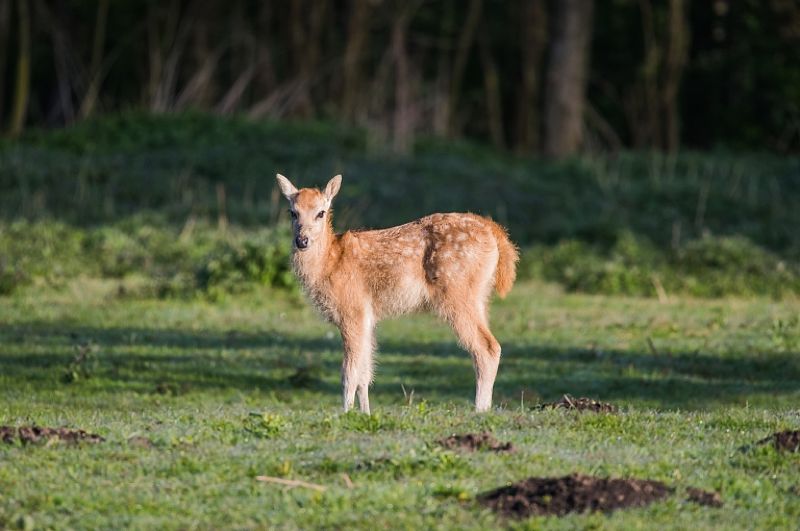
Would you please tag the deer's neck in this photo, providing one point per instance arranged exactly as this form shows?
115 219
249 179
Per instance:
313 265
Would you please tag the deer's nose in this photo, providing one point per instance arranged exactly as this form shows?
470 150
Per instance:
301 242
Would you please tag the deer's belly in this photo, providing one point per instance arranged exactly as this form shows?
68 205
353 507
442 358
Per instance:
404 294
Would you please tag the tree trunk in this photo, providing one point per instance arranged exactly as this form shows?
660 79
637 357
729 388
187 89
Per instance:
63 110
403 119
243 62
534 39
441 103
201 51
567 76
301 98
5 15
23 84
200 89
675 61
644 102
491 83
153 55
96 67
306 50
357 39
465 40
165 47
265 81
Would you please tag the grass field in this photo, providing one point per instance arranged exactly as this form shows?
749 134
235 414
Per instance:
145 297
247 386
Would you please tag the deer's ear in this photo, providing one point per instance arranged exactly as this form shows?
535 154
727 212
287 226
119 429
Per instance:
333 187
287 188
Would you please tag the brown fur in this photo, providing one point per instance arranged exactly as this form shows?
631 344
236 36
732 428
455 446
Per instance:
444 263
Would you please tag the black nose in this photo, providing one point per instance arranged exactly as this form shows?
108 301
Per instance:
301 242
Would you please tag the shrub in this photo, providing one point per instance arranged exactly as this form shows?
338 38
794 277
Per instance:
47 250
711 267
627 267
261 258
10 279
203 260
705 267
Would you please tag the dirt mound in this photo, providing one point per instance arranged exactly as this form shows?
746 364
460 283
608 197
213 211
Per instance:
573 493
475 441
36 434
784 441
704 497
580 404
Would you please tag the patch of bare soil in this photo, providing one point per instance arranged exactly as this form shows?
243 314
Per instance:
704 497
475 441
8 434
784 441
37 434
573 493
580 404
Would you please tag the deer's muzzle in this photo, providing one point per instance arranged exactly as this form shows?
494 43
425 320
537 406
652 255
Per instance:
301 242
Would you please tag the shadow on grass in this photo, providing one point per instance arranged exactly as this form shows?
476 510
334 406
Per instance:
152 360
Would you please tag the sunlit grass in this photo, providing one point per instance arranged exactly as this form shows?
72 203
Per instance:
214 387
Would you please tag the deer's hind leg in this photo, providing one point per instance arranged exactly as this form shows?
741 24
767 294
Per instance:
468 318
485 352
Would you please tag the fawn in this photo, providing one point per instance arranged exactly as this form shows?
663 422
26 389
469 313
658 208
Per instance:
444 263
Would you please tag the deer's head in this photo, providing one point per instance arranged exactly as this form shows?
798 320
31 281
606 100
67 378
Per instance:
309 209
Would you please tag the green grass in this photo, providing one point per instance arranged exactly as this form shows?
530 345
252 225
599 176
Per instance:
249 385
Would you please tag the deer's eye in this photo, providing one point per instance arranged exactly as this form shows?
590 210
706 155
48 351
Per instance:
293 213
320 214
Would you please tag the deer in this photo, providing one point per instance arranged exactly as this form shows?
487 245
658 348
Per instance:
445 263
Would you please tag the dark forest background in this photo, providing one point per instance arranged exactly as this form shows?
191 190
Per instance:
532 76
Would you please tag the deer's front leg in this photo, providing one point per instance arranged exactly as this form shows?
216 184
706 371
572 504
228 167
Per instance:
357 336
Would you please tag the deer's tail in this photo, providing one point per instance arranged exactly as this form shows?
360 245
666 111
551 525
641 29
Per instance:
506 271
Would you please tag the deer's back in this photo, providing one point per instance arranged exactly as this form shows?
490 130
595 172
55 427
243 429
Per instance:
402 268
